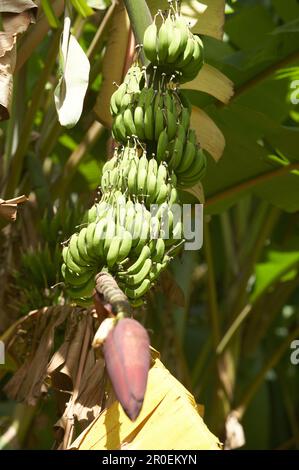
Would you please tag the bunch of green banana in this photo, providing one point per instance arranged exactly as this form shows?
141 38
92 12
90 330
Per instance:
184 157
173 48
136 228
139 177
142 274
127 93
155 111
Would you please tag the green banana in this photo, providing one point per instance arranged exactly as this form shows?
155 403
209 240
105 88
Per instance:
149 123
125 246
136 279
129 122
188 157
140 291
139 122
150 42
163 42
113 251
162 145
143 256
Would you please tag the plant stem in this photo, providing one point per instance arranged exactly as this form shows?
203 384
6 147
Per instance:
233 328
239 316
70 167
140 18
212 291
100 31
272 361
266 229
16 165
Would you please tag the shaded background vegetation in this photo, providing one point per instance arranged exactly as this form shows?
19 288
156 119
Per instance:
230 343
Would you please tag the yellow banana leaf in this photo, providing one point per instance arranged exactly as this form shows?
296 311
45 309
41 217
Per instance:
170 419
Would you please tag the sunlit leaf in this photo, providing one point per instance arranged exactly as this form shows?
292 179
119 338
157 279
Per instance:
212 81
169 419
82 7
278 264
50 13
99 4
204 17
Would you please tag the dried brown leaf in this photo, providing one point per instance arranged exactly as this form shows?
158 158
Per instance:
197 191
208 134
79 395
8 208
16 17
27 384
35 35
17 6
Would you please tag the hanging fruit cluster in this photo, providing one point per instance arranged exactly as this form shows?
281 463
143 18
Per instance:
158 154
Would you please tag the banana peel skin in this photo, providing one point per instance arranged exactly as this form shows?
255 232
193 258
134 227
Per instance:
127 356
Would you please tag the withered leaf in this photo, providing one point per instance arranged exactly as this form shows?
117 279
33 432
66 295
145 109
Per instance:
27 384
16 17
8 208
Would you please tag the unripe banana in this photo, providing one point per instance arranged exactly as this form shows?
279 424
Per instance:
110 233
151 183
141 181
119 93
144 255
152 166
129 122
136 279
182 26
162 145
92 214
159 250
113 252
74 279
149 123
185 119
150 42
132 179
74 251
139 122
140 291
163 194
175 48
171 124
119 129
198 167
163 42
188 157
125 247
187 54
159 122
89 238
84 290
177 153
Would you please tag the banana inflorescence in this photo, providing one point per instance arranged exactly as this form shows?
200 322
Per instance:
134 231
